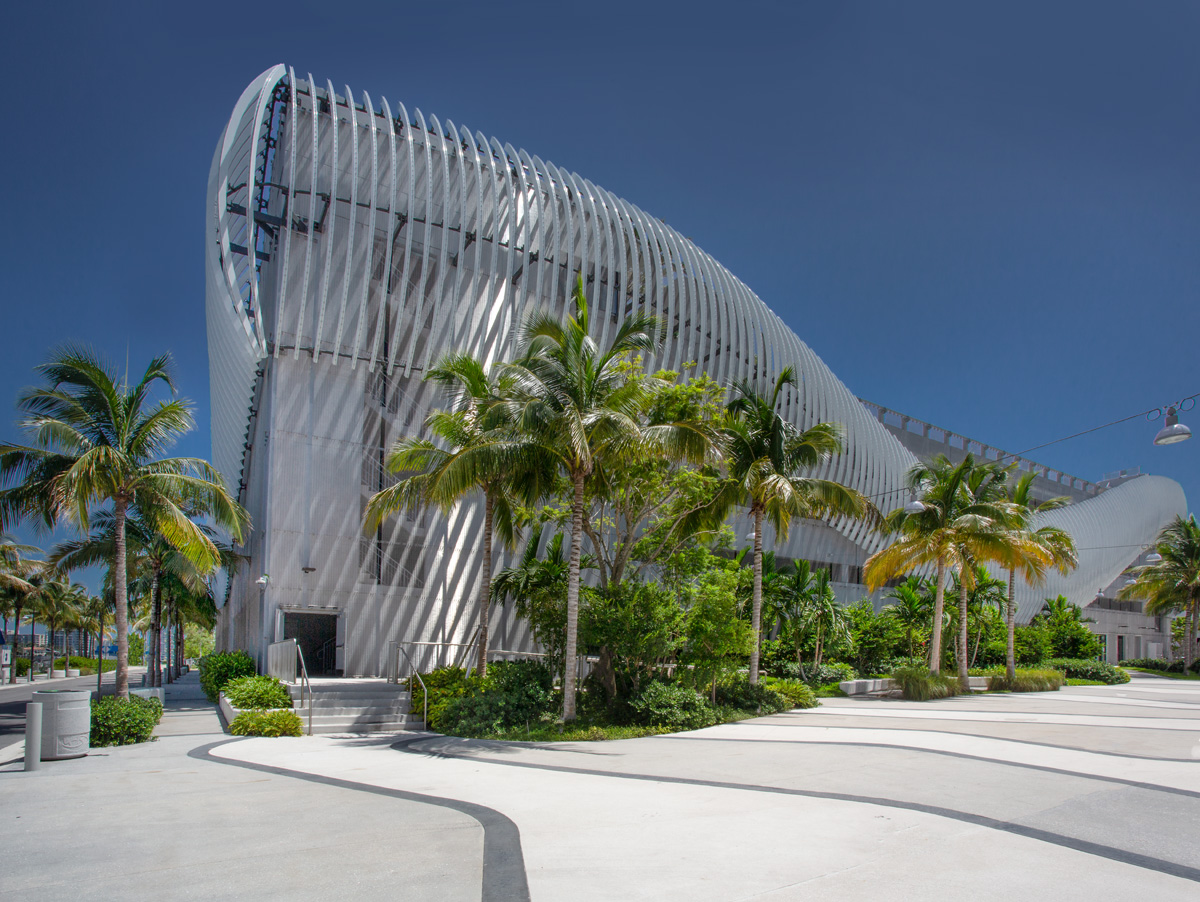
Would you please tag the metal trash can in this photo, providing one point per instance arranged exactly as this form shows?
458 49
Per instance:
66 722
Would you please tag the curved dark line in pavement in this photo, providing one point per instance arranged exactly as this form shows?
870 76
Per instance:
1123 856
504 878
758 722
1136 784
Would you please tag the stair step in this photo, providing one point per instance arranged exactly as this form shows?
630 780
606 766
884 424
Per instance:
338 710
397 727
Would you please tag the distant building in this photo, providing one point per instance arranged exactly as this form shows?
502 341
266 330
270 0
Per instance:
349 244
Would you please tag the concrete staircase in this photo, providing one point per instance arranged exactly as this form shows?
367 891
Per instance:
356 706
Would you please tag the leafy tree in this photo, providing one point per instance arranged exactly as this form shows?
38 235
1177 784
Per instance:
1173 584
1069 638
718 638
1055 546
98 441
766 457
875 638
567 397
964 521
641 625
466 457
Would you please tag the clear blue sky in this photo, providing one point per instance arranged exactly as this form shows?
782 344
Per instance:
983 215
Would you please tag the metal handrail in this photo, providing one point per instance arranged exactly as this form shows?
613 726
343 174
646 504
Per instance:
285 669
424 690
305 684
323 657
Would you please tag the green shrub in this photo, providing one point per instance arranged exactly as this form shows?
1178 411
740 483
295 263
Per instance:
827 673
1089 669
513 694
257 692
673 706
1154 664
219 668
1160 664
124 721
795 693
85 666
22 665
737 692
919 685
1026 681
445 684
260 722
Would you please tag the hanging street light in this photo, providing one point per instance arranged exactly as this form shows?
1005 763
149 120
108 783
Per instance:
1173 431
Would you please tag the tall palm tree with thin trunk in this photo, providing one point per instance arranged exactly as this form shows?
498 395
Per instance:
585 407
768 458
466 458
1056 548
98 441
1173 584
964 521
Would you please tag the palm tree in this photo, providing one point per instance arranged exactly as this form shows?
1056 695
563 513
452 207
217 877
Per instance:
98 441
986 595
766 455
790 600
824 616
15 587
912 608
585 408
1173 584
468 458
1056 546
60 601
963 521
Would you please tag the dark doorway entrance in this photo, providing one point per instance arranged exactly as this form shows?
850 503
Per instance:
316 634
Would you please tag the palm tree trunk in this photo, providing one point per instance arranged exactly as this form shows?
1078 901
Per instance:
156 631
52 650
100 653
1189 637
120 593
32 634
935 633
485 583
1010 654
756 598
12 671
179 645
169 651
570 666
964 680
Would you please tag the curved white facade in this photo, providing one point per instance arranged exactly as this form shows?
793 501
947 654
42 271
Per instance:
350 243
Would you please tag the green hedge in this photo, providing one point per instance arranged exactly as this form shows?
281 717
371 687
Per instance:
796 693
257 692
1089 669
261 722
445 685
1026 681
86 666
919 685
219 668
673 706
124 721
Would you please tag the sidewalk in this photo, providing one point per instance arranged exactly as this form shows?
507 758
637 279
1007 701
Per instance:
164 819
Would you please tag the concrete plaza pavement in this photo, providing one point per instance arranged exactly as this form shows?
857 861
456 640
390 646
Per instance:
1078 794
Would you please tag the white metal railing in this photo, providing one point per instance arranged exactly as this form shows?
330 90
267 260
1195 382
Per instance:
282 660
423 657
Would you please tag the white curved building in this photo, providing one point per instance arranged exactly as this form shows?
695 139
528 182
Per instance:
350 243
